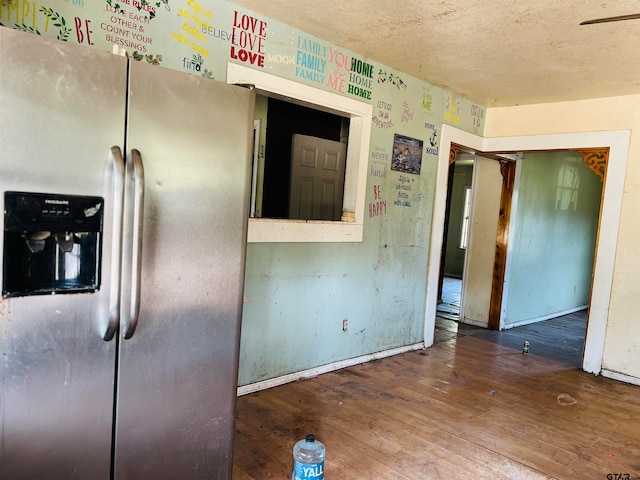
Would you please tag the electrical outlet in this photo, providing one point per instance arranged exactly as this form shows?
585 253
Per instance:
345 325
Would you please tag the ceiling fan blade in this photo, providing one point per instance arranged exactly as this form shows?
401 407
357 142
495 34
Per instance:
633 16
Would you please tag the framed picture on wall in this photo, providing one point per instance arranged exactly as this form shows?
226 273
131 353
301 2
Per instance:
407 154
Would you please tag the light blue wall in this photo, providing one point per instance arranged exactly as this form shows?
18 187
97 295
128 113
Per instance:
297 295
554 238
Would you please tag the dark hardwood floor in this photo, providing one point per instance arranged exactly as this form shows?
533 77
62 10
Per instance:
469 407
560 338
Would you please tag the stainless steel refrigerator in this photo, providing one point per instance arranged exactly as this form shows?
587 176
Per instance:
122 277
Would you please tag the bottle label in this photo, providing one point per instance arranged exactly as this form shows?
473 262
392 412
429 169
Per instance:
308 471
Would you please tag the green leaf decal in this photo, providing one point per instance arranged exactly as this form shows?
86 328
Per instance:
25 28
58 21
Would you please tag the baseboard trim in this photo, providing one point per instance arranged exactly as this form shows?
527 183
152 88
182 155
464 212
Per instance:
545 317
474 323
621 377
330 367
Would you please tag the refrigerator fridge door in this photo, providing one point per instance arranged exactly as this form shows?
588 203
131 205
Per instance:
178 370
61 109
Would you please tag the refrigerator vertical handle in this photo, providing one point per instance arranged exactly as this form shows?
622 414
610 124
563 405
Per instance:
136 256
117 162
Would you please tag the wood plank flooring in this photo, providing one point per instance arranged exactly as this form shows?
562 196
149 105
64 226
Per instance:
560 338
466 408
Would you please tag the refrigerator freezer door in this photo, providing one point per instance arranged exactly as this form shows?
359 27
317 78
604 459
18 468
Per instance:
61 109
178 372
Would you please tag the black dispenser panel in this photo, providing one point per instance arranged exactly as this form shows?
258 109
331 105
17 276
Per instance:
52 243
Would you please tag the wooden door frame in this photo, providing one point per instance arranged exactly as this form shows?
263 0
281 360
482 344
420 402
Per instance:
508 171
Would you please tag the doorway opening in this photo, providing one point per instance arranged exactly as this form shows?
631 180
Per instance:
456 236
616 143
551 239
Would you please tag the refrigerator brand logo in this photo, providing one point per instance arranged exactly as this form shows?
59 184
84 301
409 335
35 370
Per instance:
52 201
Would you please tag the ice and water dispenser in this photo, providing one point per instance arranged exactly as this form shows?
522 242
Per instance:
52 243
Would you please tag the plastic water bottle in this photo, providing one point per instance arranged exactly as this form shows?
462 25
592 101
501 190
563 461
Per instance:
308 459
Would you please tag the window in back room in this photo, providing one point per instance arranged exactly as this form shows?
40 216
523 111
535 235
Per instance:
304 162
466 213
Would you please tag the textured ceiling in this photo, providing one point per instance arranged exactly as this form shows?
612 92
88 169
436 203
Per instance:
494 52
